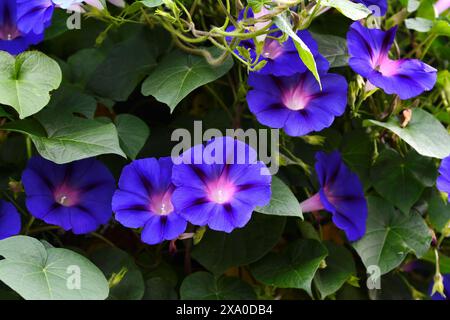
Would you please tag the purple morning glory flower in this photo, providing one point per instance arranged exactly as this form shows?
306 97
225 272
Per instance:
437 295
369 56
144 200
443 181
341 193
12 39
282 59
220 184
34 15
10 223
296 103
378 7
75 196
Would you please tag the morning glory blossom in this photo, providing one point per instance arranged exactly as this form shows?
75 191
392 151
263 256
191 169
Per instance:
34 15
75 196
369 56
12 39
220 184
144 200
341 193
296 103
10 223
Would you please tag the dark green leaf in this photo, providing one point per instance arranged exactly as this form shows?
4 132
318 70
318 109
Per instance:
219 251
295 267
402 180
159 289
112 261
340 266
133 133
391 236
205 286
179 74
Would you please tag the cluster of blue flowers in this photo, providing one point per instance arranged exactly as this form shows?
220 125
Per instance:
219 185
23 22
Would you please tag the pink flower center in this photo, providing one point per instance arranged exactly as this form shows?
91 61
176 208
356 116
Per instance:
295 99
162 204
221 191
386 66
66 196
272 49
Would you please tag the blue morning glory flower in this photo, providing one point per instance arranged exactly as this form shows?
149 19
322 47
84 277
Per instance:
369 56
75 196
377 6
341 193
34 15
12 39
296 103
10 223
443 181
144 200
220 184
282 58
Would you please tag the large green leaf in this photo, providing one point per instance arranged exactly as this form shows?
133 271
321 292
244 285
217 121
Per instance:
124 67
26 80
340 266
283 23
352 10
424 133
179 74
205 286
37 272
402 180
133 133
333 48
113 262
295 267
219 251
438 211
357 150
63 139
391 236
283 201
71 100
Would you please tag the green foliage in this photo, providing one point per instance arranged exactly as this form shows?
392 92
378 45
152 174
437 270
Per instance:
391 236
295 267
179 74
205 286
242 246
37 272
